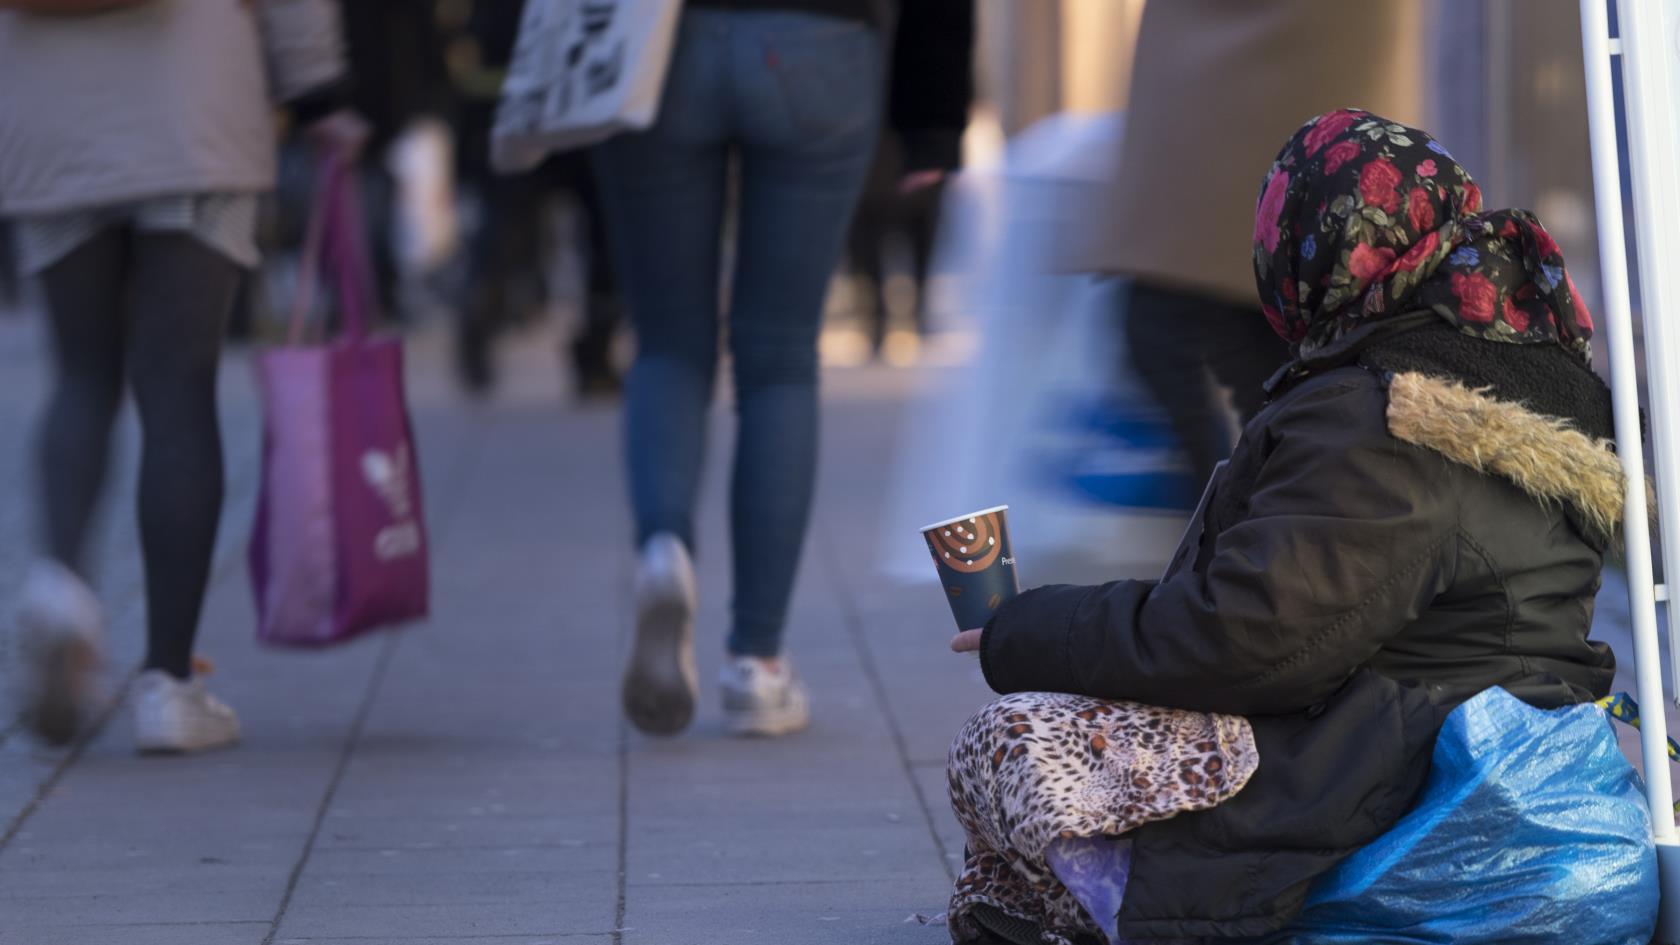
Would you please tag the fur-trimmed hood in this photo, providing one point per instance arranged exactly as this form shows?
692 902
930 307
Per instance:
1544 456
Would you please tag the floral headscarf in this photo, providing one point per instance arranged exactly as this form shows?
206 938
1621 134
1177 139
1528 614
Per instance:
1362 218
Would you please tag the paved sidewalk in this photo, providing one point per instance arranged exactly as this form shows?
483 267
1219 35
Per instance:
469 780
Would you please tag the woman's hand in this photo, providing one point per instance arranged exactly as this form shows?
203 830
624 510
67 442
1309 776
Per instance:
917 181
341 134
967 641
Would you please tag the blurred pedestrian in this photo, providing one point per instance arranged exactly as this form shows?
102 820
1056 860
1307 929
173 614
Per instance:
506 251
1182 211
886 211
788 93
396 57
131 174
508 275
931 92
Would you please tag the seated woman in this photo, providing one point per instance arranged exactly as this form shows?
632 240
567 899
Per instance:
1420 513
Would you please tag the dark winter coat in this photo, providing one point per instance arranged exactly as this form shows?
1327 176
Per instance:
1381 547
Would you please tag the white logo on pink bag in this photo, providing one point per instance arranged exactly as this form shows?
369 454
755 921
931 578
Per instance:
389 475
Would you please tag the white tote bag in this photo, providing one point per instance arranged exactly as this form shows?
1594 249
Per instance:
582 71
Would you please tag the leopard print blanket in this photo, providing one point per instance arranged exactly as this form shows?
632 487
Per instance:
1035 767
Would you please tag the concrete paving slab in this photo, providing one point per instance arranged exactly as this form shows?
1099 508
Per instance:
779 851
54 915
523 887
567 859
172 933
488 830
579 910
826 913
208 875
555 939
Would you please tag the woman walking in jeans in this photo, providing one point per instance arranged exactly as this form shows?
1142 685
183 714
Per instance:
131 170
788 94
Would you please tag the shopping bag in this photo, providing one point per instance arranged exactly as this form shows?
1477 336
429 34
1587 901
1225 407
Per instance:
582 71
1532 828
339 546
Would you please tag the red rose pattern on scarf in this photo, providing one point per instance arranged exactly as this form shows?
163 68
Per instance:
1361 218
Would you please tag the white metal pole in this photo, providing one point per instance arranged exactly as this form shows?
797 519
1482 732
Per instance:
1618 316
1624 382
1651 154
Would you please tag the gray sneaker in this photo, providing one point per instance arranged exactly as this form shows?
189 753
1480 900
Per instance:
761 699
57 652
660 684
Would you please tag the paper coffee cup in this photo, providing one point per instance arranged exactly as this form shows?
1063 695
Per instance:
976 563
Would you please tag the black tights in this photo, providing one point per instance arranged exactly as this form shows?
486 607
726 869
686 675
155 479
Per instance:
150 307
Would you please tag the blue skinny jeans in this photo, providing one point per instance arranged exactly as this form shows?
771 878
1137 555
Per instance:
777 112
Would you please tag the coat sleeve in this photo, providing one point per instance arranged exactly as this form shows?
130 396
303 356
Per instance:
932 81
303 43
1348 536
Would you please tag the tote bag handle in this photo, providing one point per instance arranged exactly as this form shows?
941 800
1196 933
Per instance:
334 235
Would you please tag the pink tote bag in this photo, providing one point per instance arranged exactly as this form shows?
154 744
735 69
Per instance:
340 546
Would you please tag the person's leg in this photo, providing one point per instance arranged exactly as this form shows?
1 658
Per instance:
60 624
84 292
181 294
1003 787
603 310
923 224
866 240
1244 352
1165 335
503 249
588 194
379 201
663 194
809 111
864 250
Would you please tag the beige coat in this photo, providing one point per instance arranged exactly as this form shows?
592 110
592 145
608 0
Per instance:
1217 88
168 96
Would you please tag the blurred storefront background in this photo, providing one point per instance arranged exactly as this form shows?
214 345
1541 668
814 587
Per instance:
1502 80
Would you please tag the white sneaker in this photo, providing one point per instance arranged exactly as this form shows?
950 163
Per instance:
172 716
660 684
58 651
759 699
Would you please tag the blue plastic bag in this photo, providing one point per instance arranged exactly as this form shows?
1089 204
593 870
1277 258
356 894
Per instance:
1531 829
